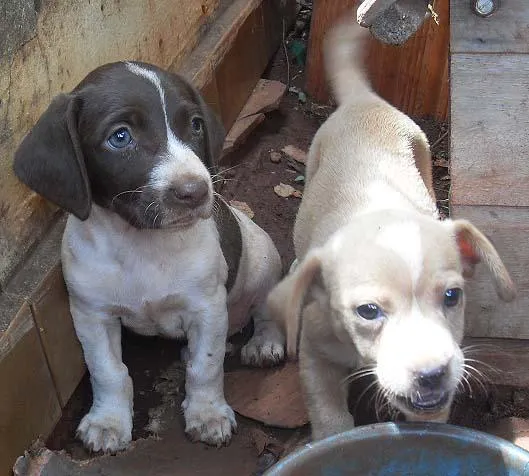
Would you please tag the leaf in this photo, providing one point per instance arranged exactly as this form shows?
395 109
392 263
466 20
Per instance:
243 207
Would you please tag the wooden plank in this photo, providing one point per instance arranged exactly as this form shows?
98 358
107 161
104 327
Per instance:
28 401
505 361
210 93
242 67
486 314
50 307
41 259
505 31
200 66
236 50
412 77
490 117
324 14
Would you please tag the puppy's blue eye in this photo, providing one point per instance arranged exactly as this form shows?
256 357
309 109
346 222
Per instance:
369 311
120 138
197 124
452 297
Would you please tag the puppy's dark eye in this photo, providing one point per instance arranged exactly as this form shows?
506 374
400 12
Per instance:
197 124
369 311
452 297
120 138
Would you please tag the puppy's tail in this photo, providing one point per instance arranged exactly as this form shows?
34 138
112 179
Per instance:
344 50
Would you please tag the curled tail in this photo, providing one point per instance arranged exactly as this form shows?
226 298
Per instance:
344 51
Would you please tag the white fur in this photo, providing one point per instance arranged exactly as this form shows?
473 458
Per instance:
405 240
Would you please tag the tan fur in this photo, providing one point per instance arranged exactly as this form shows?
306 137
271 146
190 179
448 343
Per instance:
368 231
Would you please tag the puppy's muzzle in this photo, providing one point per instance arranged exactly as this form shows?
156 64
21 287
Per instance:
191 192
430 392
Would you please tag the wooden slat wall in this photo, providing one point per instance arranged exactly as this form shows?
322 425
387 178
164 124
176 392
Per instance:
413 77
490 152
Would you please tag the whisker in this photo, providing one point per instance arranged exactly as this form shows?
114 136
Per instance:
483 364
361 373
223 171
476 378
137 190
363 393
149 206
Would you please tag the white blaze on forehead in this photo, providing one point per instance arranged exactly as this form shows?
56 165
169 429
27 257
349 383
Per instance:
405 240
180 157
174 146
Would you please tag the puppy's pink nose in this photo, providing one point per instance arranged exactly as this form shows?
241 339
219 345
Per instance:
190 193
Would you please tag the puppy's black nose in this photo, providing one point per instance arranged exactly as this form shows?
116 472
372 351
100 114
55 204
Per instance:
432 379
191 193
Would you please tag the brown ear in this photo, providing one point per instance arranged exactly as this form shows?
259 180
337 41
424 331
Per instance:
286 299
474 248
50 161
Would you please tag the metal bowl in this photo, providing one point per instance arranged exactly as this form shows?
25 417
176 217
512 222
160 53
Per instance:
411 449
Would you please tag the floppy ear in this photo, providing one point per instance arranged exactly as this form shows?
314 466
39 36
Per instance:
215 134
286 299
50 161
474 248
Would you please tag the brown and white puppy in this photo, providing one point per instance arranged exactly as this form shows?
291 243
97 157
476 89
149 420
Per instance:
379 279
129 154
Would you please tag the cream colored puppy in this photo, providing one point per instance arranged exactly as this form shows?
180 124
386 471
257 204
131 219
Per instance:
379 280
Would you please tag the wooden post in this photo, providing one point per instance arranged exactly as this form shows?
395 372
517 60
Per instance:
412 77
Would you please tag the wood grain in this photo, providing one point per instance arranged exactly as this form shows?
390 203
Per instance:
505 31
412 77
490 120
28 402
233 54
324 14
486 314
51 311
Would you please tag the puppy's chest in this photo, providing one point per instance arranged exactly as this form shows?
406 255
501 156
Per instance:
154 285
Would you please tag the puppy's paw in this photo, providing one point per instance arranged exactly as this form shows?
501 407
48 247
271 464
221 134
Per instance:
107 430
209 422
264 350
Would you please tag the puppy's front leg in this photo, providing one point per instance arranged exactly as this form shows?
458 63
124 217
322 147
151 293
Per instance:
108 424
267 345
208 417
325 392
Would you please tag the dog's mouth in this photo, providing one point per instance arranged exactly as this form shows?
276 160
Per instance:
425 401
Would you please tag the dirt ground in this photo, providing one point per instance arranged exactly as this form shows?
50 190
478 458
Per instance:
160 447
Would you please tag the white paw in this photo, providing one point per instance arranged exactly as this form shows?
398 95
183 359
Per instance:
209 422
108 430
264 350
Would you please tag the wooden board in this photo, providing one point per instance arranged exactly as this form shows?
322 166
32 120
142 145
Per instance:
505 31
490 120
412 77
232 56
51 311
28 402
487 315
